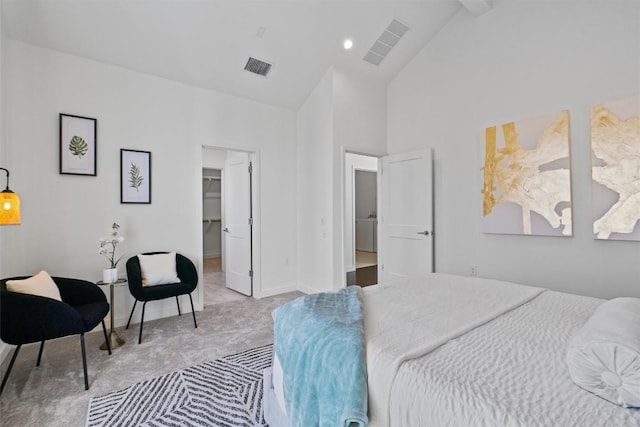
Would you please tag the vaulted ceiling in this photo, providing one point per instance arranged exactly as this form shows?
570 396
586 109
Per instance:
207 43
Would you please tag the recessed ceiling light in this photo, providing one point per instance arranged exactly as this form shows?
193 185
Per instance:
348 44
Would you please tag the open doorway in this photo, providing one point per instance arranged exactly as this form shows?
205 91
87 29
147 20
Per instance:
227 225
365 190
361 219
213 275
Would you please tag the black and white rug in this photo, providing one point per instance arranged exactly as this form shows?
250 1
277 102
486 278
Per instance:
225 392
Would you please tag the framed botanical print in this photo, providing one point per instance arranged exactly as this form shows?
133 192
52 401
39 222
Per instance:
78 145
135 176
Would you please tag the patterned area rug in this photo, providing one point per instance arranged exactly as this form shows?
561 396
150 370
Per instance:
225 392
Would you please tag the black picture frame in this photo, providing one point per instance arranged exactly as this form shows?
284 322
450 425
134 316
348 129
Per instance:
78 145
135 176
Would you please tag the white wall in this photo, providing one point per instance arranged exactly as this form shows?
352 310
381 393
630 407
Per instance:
352 162
520 60
213 158
3 130
342 112
64 215
315 185
3 158
360 114
360 126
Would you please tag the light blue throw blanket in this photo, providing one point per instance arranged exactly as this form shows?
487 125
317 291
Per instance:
319 341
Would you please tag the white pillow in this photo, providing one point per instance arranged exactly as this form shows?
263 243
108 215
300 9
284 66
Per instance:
158 269
604 355
41 284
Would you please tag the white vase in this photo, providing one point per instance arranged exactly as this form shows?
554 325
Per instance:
109 275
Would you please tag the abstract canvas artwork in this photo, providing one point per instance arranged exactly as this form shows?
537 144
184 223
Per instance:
527 177
615 169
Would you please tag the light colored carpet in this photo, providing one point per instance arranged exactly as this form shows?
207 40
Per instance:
53 394
215 286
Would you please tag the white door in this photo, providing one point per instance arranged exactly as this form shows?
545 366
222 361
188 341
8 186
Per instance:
406 220
237 227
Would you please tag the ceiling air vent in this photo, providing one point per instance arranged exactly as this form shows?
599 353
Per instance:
257 66
387 40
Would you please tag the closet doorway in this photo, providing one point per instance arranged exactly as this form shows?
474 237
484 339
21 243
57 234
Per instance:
361 219
227 227
213 278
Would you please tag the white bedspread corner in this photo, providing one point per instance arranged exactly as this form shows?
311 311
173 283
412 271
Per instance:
412 317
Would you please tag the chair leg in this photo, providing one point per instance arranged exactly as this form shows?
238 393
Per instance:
40 353
178 302
84 362
6 375
193 311
131 315
144 304
106 337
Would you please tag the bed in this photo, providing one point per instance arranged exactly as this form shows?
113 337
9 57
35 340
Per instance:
447 350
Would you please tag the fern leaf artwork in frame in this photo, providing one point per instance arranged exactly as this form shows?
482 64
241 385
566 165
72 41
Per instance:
135 177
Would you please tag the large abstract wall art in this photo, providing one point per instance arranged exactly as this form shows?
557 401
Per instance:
527 177
615 169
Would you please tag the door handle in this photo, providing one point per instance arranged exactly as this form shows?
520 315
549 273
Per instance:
226 230
425 232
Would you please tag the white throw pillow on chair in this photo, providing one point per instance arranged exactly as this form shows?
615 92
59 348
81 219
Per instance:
158 269
41 284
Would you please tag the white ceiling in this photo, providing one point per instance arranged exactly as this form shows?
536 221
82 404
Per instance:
207 43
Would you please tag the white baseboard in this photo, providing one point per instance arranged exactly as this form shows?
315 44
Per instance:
272 292
307 290
213 255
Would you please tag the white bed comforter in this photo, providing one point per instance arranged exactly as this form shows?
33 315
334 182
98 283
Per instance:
508 372
409 318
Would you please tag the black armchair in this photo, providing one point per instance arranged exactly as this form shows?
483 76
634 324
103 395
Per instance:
26 318
188 282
